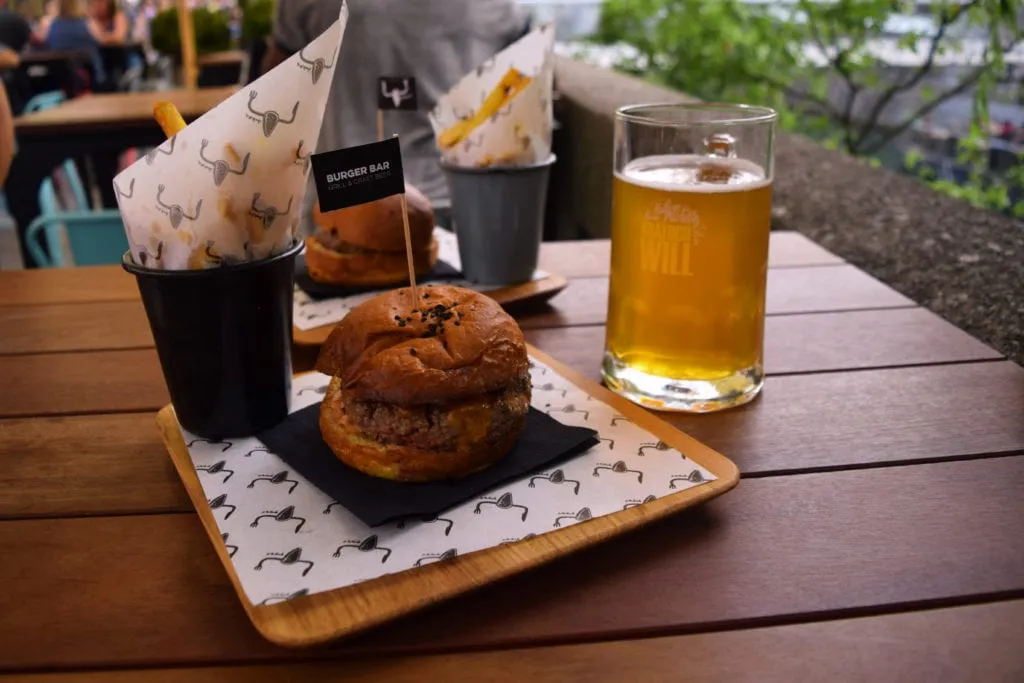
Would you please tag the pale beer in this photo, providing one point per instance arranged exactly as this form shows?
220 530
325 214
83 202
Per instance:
687 292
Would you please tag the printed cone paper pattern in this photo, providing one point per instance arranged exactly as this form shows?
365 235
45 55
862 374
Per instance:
229 187
519 132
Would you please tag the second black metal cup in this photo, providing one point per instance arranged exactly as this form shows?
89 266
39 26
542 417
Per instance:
498 213
224 340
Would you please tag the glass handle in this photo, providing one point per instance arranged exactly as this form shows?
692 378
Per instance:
720 145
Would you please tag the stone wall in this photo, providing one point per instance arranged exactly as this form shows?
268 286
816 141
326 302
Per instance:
965 264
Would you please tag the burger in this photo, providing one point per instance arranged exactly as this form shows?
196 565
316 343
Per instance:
435 390
364 245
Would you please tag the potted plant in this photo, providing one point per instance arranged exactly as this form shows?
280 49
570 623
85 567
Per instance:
212 34
211 31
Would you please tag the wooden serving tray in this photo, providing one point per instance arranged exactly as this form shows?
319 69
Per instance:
535 291
322 617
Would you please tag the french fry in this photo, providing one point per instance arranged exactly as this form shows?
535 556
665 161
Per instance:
511 84
169 118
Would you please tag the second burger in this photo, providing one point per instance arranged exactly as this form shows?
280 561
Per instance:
364 245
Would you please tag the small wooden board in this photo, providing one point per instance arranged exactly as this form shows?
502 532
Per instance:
535 291
322 617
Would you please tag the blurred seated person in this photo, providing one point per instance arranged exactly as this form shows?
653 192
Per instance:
435 41
9 59
107 22
144 13
6 135
15 30
42 24
69 31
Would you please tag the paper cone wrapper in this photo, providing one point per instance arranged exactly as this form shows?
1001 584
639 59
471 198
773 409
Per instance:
519 133
229 187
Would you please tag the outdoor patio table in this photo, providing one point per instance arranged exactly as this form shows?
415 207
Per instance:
100 125
876 534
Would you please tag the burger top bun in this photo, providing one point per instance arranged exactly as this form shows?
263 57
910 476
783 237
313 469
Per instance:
459 343
378 225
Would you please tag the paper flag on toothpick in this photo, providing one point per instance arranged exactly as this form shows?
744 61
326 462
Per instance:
397 92
229 187
357 175
500 113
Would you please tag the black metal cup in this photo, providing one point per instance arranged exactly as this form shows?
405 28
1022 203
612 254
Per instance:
224 340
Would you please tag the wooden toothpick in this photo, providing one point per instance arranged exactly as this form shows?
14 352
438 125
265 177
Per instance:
408 255
408 247
380 125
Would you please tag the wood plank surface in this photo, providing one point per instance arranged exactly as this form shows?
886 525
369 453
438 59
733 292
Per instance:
801 422
810 422
70 383
591 258
66 285
74 327
86 465
122 324
127 108
137 590
811 343
795 343
954 644
570 259
790 290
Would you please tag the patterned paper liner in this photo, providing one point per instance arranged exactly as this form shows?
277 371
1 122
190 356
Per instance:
286 538
229 187
309 313
519 132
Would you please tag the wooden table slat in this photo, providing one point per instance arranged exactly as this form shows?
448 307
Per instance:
954 645
790 290
67 285
591 258
574 259
842 341
97 464
112 109
92 382
129 591
802 422
838 420
845 340
98 326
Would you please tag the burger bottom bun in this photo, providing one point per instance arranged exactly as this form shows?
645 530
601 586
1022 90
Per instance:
365 268
398 462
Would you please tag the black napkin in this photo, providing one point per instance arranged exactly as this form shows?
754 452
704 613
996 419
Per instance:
297 441
318 290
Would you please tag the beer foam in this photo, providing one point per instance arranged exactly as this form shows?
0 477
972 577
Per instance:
674 172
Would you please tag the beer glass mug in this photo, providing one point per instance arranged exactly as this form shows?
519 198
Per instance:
691 208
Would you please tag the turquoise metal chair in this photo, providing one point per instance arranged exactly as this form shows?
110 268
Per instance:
93 237
44 100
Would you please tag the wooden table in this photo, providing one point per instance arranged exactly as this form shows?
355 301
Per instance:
878 533
100 126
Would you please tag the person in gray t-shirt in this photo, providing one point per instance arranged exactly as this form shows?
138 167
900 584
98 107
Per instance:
435 41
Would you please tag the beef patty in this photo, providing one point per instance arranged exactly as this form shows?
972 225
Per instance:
442 427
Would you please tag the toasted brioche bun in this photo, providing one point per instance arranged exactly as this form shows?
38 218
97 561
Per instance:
366 268
364 245
384 351
377 225
398 462
435 393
